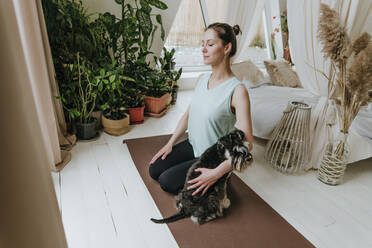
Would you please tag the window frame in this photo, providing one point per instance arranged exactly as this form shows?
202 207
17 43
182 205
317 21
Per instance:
204 10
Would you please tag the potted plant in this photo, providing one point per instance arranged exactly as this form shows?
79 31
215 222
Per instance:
157 93
71 31
84 99
111 85
167 64
173 77
135 101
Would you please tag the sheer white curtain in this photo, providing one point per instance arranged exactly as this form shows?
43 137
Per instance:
247 14
306 54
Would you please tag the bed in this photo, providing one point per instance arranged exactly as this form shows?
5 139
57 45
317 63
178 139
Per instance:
268 102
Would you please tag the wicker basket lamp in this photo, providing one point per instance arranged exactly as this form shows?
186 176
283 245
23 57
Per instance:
289 145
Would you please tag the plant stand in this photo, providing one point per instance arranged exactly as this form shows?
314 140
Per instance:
159 114
289 145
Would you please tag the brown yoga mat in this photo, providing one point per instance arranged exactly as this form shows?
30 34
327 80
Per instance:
249 222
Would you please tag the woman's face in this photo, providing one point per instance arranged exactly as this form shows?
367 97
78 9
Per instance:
212 48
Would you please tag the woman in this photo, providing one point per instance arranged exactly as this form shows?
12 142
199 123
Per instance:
220 101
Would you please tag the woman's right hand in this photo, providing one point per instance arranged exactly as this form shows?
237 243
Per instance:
163 153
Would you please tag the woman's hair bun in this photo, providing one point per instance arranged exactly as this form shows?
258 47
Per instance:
237 29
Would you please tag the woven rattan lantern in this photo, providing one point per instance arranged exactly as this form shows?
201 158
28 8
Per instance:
289 145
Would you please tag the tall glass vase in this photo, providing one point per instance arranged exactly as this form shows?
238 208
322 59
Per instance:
334 161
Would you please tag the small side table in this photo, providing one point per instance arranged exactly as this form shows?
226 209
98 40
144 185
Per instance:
289 145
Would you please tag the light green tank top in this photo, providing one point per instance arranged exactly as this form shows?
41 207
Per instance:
210 115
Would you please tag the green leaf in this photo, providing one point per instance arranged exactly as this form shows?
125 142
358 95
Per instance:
104 106
102 72
159 20
158 4
145 6
100 87
146 23
128 78
152 36
112 78
105 81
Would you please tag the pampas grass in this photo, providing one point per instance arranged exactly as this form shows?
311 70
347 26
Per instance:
361 43
351 64
332 35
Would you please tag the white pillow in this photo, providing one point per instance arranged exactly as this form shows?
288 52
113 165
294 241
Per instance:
251 85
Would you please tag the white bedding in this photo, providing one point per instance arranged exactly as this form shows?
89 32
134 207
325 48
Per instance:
268 103
362 123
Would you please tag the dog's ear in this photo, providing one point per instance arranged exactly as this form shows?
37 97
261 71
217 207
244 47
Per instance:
242 158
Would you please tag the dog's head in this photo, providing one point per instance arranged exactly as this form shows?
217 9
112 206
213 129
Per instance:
234 147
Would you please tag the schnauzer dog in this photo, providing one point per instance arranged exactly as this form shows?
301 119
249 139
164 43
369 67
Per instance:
205 208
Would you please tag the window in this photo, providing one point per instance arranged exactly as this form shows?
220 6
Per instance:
185 36
187 31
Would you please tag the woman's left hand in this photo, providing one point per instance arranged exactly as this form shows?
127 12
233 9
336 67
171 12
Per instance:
206 179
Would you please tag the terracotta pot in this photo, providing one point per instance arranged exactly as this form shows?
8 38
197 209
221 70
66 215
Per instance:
156 104
115 127
136 115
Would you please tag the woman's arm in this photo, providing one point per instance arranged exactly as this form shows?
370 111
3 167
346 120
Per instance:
181 127
241 104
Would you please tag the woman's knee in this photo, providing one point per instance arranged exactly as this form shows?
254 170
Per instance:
154 171
167 184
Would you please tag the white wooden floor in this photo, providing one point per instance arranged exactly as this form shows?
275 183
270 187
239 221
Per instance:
104 202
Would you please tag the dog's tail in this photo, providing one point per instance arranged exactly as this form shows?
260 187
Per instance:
172 218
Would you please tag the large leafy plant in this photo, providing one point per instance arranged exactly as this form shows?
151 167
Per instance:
131 36
167 64
82 91
112 86
157 84
70 31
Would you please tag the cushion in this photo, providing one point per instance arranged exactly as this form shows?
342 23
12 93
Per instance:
251 85
282 74
246 70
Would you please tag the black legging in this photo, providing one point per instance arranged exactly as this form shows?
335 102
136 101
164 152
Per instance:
171 172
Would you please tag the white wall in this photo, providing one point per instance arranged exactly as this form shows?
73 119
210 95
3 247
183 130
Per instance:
102 6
